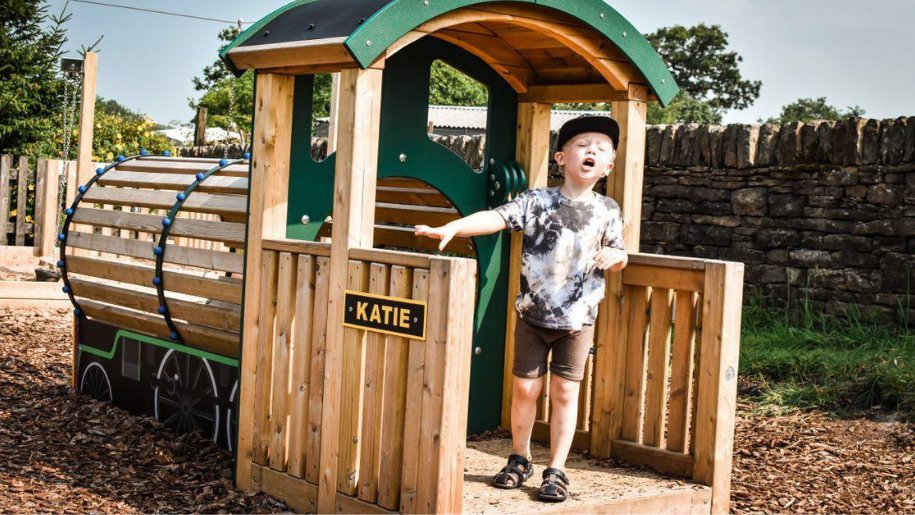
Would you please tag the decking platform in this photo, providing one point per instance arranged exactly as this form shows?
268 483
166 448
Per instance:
596 487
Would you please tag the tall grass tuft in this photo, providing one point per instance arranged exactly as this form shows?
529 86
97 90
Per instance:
817 361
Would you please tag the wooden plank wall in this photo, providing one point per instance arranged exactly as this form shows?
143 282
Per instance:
401 441
36 185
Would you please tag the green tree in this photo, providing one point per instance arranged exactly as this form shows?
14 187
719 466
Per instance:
115 108
31 42
706 71
807 109
450 87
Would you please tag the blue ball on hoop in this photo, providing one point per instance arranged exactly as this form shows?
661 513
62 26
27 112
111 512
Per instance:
247 155
61 263
99 171
223 162
144 152
174 336
82 189
200 176
78 312
66 289
157 281
166 153
181 197
120 158
166 222
69 211
163 310
62 237
157 251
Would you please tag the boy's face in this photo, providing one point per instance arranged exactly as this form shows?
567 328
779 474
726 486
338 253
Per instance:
586 158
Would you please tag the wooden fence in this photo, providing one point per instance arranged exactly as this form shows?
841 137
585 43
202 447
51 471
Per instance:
660 390
30 203
403 402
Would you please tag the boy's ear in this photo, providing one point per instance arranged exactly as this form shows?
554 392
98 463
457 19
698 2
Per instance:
609 169
559 157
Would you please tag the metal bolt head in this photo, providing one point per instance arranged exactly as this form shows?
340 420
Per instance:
351 309
305 219
478 351
403 158
625 35
426 3
497 185
415 320
492 161
368 42
602 16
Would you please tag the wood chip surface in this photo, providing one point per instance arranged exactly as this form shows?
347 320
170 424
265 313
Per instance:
62 452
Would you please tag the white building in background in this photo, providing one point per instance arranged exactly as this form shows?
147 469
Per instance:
184 136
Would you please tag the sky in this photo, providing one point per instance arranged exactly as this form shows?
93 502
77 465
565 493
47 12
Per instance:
849 51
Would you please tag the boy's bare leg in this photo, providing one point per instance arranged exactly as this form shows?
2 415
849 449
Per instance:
524 409
563 417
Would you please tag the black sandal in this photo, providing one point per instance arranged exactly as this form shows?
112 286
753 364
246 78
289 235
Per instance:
555 486
514 474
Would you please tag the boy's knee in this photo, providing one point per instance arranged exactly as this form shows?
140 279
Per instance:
563 389
526 388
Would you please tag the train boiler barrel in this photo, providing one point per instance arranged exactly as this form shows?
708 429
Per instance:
154 244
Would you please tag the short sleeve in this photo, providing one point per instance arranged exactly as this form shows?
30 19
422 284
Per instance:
515 211
613 233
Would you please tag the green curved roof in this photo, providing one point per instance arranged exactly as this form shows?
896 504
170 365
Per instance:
371 26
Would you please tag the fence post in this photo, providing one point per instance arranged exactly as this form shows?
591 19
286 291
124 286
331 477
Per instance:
200 127
22 189
47 183
6 162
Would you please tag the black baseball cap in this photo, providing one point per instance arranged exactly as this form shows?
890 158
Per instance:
575 126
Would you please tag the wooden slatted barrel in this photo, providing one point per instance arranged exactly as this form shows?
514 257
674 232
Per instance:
116 225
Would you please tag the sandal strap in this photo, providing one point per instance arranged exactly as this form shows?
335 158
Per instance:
516 469
551 474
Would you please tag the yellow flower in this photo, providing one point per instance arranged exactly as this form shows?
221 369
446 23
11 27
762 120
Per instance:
109 156
13 213
28 219
31 187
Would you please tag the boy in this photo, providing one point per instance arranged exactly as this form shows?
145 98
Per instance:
571 234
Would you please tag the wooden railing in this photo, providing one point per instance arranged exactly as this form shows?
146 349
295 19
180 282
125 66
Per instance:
401 440
39 188
660 389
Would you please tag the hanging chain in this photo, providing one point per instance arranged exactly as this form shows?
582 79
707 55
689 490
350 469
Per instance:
69 114
66 114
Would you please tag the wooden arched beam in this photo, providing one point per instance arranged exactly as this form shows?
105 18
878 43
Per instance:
587 43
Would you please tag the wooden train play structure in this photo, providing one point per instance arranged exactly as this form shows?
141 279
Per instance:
283 307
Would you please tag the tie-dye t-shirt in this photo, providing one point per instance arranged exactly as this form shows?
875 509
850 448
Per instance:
561 286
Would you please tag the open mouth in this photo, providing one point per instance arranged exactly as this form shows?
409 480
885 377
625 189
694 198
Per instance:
588 163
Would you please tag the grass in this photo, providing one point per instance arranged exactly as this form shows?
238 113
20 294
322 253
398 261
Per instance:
840 365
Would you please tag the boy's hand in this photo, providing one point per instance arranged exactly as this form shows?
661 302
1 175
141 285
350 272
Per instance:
612 259
444 233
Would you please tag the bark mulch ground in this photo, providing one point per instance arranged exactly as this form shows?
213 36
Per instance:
62 452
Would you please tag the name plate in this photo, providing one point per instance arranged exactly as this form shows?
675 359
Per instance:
388 315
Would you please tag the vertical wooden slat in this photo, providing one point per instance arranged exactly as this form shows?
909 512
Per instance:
267 219
267 316
84 168
316 385
370 460
6 164
717 394
46 205
532 153
697 357
632 422
658 358
356 175
610 336
395 389
301 363
282 356
351 396
681 371
410 479
71 183
22 185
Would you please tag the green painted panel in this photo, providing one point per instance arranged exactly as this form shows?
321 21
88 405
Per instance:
123 333
397 18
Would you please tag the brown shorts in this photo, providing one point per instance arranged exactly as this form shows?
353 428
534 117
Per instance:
570 351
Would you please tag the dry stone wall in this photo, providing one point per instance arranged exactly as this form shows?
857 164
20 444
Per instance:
822 212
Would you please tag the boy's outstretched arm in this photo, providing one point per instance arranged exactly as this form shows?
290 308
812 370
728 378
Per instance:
477 224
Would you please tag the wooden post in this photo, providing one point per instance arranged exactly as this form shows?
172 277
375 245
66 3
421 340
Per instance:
532 151
625 183
22 190
6 164
334 114
267 219
87 118
717 380
356 176
200 127
46 208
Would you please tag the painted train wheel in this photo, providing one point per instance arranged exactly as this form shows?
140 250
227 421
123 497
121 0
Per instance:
232 418
95 383
185 394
